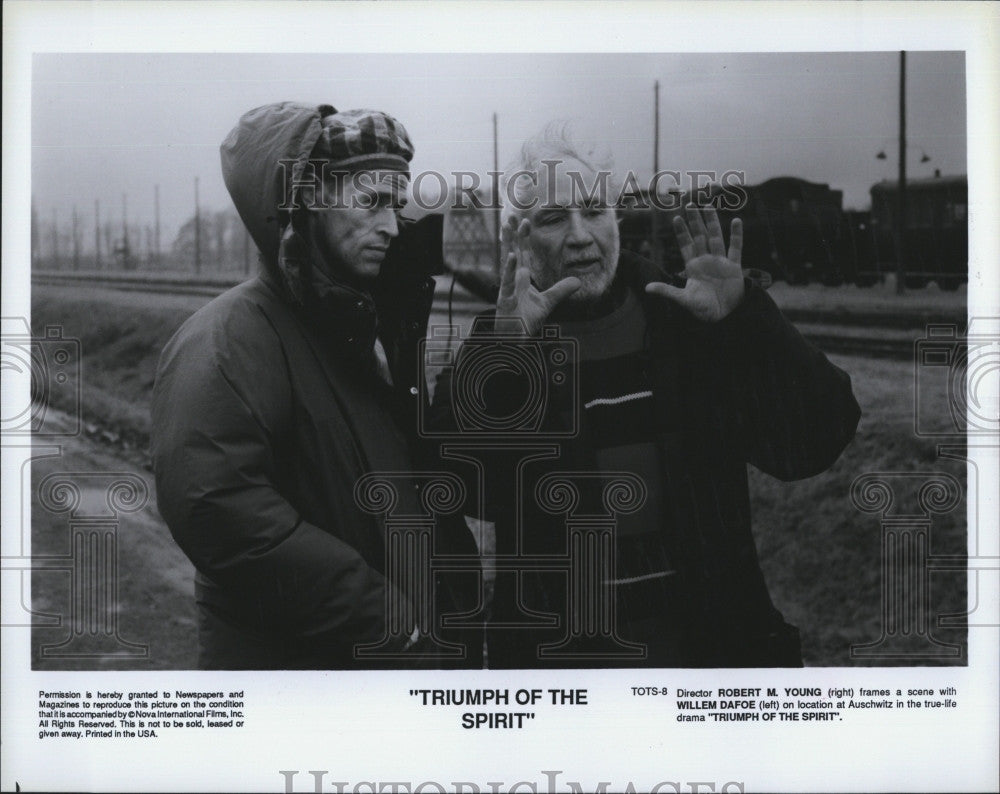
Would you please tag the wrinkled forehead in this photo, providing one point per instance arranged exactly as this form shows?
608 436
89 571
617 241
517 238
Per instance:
568 182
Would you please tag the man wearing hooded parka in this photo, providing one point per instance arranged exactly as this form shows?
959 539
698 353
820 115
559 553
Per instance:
272 402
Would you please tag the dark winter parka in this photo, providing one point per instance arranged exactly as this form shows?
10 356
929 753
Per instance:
266 414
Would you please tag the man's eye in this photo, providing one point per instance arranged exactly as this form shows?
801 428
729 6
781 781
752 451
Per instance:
548 220
382 202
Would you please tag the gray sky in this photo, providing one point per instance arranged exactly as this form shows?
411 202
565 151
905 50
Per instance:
108 124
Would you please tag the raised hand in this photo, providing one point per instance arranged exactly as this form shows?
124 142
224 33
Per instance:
714 277
518 297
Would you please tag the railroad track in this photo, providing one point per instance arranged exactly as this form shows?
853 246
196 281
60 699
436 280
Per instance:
900 348
891 335
137 283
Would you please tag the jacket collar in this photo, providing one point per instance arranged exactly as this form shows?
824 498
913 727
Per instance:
349 318
638 272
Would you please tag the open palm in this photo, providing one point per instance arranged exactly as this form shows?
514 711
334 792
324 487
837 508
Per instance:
714 277
519 299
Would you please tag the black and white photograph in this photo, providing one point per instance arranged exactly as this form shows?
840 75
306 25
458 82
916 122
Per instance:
459 414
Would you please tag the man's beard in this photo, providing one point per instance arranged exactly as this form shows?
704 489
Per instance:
594 286
600 297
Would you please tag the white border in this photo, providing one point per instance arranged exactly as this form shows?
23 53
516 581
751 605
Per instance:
363 726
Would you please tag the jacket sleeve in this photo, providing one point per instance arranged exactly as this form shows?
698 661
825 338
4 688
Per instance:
793 411
219 413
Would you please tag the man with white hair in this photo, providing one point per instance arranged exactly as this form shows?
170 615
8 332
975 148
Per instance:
682 382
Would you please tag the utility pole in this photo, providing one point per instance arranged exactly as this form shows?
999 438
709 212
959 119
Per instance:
901 251
97 234
55 240
109 243
125 245
76 240
654 215
197 230
35 231
496 197
156 235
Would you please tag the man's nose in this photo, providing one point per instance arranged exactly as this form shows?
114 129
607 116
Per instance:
387 223
579 234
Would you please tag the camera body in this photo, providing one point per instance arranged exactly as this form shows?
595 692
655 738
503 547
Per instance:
953 378
544 368
51 366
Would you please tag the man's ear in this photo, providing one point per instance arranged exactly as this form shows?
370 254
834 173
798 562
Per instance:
302 224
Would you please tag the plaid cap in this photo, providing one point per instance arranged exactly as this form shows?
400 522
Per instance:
355 140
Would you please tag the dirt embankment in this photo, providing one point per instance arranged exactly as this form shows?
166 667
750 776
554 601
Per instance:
121 335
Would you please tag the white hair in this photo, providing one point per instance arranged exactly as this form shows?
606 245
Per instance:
555 141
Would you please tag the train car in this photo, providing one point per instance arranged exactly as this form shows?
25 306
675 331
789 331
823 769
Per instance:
936 232
792 229
798 231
